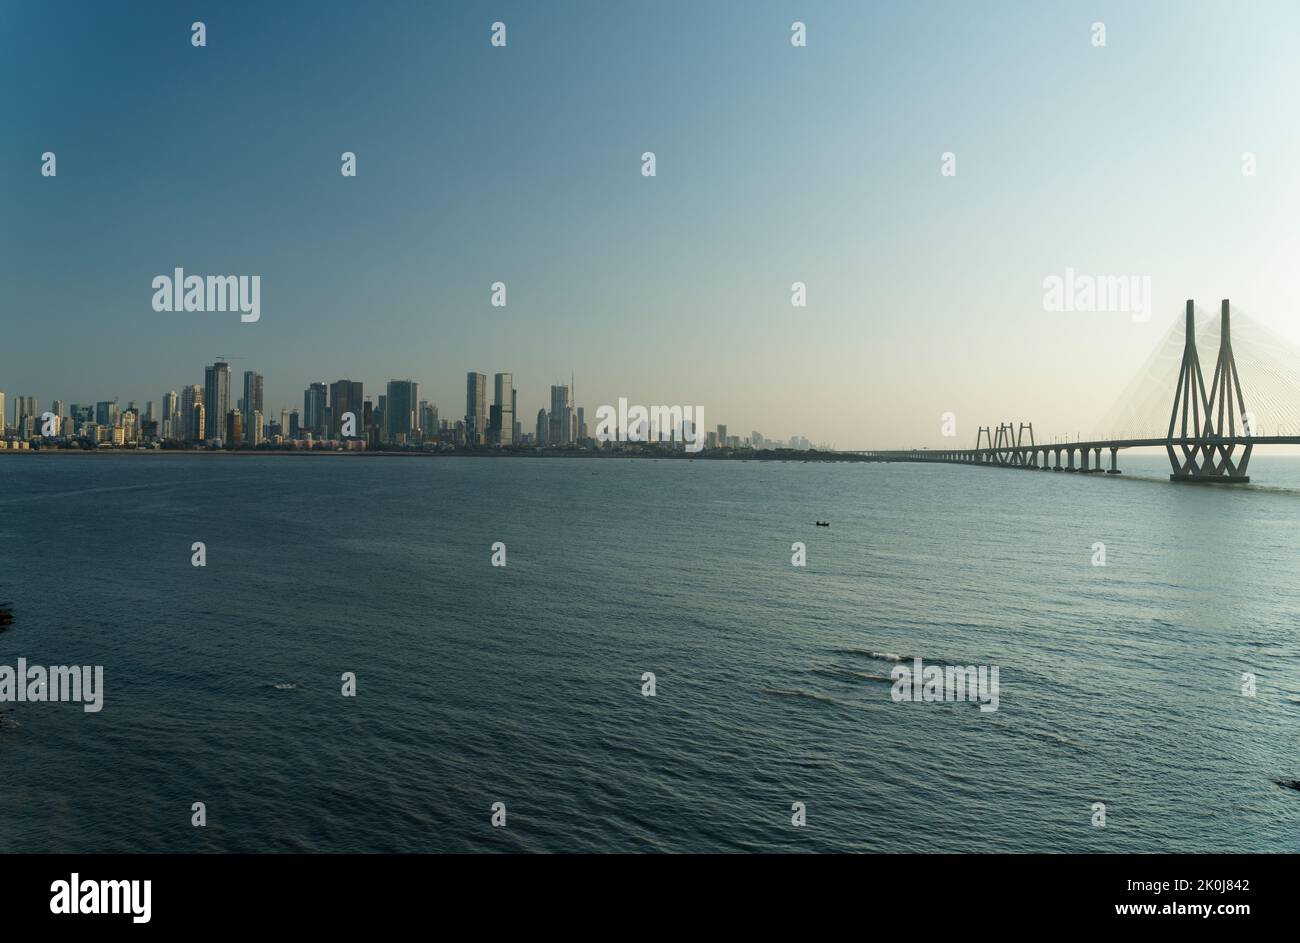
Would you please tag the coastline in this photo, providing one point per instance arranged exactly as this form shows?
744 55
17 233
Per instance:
760 456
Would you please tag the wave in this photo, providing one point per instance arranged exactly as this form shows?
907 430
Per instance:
850 673
881 656
799 692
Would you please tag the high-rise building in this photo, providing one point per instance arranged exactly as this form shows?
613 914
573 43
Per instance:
216 401
543 428
253 393
106 413
130 425
294 430
429 425
315 409
561 425
475 407
170 415
24 407
253 428
346 397
82 416
197 421
234 428
191 397
401 410
505 405
2 414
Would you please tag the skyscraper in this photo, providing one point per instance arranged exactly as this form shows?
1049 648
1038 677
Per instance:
561 425
24 406
543 428
216 400
475 407
169 416
346 397
234 428
253 393
401 409
315 409
505 403
106 413
191 406
429 425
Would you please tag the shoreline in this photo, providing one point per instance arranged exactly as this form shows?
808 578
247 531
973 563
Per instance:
766 456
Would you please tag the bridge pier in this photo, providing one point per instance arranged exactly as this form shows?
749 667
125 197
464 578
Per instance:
1083 461
1058 461
1069 453
1113 470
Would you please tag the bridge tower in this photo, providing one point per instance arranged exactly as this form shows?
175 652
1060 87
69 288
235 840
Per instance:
1207 453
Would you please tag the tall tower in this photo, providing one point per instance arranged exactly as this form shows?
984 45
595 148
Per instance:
1224 384
216 400
1189 393
1212 425
476 407
505 403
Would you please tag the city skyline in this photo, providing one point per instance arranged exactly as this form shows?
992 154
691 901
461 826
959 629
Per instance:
397 416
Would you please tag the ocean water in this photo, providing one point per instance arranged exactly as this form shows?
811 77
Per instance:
522 684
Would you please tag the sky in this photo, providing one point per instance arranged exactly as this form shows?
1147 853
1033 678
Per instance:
775 164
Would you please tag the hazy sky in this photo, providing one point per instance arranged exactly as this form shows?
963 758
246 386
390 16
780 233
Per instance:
775 164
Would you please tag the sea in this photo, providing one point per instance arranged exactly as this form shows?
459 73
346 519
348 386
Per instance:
1146 636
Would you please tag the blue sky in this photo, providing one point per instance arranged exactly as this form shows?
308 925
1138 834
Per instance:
522 164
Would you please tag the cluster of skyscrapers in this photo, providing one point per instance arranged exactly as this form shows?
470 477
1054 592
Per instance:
334 415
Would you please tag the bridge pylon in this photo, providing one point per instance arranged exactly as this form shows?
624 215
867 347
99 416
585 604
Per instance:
1194 427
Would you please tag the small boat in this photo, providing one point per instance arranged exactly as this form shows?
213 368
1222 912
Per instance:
823 523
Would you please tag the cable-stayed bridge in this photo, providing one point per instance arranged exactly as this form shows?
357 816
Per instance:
1209 438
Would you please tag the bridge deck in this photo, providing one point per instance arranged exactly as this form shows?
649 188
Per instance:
1092 444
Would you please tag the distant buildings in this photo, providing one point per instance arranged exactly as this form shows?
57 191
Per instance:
203 415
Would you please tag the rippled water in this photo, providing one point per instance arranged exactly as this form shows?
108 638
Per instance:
1119 684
